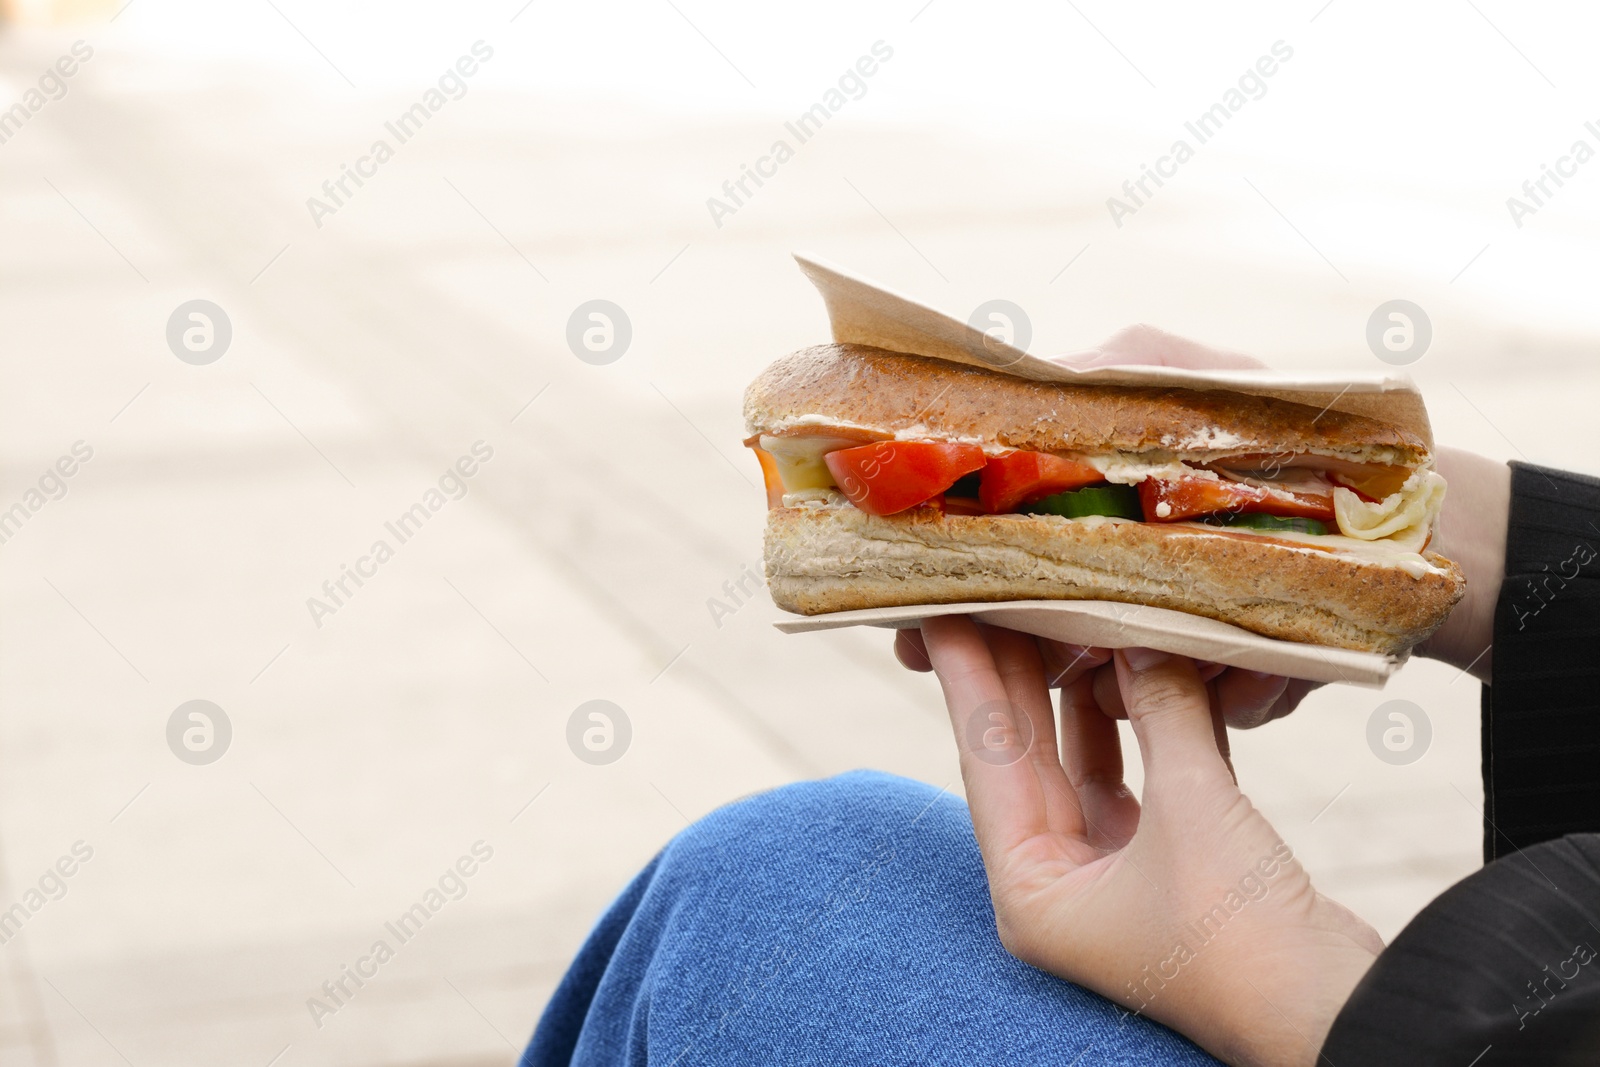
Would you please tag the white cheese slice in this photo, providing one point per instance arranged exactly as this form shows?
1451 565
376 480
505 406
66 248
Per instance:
1403 519
799 458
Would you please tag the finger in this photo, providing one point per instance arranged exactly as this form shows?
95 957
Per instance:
1017 657
1219 731
1109 695
1003 792
1142 344
1064 663
1107 692
1296 691
910 651
1241 696
1248 697
1021 667
1171 714
1091 752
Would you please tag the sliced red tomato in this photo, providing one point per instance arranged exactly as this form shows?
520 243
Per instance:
891 476
1175 499
769 474
1023 477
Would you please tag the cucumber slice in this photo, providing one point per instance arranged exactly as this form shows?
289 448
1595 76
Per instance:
1117 501
1254 521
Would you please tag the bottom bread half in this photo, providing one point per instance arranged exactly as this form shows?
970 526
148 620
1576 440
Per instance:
840 558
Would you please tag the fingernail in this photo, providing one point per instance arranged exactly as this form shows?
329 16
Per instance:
1260 676
1141 659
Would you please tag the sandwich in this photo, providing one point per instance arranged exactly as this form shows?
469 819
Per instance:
896 479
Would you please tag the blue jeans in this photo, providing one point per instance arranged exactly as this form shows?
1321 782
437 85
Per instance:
842 922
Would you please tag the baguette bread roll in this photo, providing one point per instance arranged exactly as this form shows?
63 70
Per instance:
839 558
894 392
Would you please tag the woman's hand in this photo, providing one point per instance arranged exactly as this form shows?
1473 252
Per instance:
1245 699
1191 911
1471 531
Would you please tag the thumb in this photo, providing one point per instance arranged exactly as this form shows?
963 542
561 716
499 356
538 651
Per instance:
1170 710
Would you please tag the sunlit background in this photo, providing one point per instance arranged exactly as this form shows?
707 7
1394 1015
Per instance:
373 345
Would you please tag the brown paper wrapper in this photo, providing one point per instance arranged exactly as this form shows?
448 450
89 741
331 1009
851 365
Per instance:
862 312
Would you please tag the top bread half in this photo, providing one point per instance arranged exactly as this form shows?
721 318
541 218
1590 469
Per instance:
897 393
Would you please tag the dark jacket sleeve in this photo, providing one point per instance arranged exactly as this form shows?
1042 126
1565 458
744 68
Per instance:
1503 970
1541 718
1504 967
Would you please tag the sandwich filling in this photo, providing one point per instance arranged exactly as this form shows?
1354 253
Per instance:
1336 503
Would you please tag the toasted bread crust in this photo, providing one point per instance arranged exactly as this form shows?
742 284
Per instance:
840 558
894 392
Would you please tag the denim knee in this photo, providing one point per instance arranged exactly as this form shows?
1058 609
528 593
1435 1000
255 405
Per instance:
815 821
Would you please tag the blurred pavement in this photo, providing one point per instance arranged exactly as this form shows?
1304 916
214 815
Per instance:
430 710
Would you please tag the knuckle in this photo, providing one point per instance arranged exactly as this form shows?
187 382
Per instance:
1163 692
